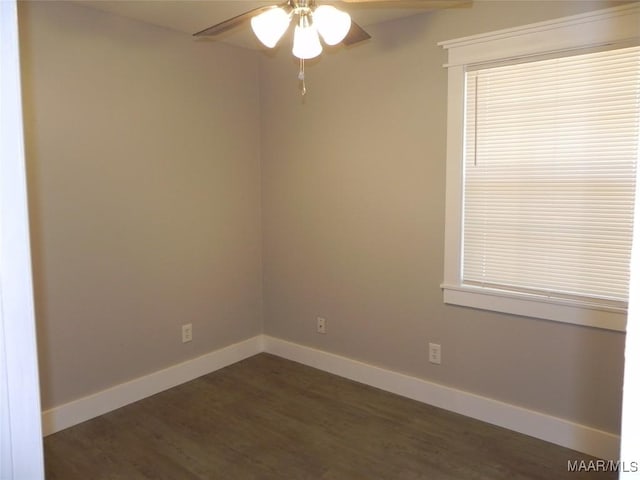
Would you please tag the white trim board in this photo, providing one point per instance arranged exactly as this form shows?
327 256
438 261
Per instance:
539 425
585 30
86 408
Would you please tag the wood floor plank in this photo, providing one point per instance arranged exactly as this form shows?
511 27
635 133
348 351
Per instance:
269 418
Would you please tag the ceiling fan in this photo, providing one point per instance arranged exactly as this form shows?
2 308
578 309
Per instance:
312 22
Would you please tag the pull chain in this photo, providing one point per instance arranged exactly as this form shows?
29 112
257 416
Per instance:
301 77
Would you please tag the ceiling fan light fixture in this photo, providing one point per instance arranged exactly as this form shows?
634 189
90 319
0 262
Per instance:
306 42
332 24
269 26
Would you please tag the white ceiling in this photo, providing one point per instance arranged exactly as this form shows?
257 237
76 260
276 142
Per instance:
190 16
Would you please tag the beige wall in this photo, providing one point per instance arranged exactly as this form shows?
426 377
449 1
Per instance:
144 179
353 218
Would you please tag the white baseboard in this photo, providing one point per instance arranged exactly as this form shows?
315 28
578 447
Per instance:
77 411
545 427
539 425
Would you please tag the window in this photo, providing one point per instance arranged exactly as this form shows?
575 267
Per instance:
549 176
541 168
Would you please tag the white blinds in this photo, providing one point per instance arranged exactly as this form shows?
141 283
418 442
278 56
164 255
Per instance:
551 149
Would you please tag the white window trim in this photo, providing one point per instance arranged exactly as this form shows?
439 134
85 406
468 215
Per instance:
617 25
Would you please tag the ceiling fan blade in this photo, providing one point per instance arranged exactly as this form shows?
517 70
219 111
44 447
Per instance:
356 34
432 4
234 22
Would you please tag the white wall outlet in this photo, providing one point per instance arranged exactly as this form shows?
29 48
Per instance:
435 353
187 333
321 325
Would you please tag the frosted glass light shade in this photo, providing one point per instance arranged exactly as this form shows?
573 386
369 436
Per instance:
269 26
306 43
331 23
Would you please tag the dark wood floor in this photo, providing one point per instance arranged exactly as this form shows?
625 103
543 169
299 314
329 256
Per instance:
269 418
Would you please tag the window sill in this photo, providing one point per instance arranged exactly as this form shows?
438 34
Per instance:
537 306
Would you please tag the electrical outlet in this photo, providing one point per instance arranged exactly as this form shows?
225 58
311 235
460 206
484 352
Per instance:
321 325
435 353
187 333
